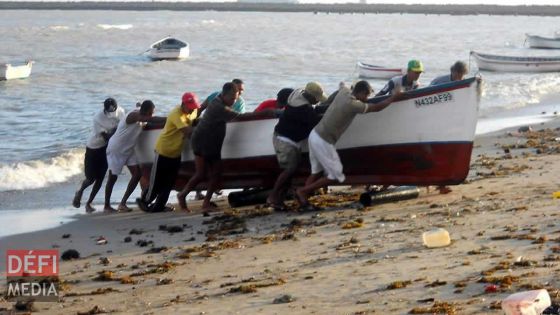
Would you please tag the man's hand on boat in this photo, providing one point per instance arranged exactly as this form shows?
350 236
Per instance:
266 113
377 107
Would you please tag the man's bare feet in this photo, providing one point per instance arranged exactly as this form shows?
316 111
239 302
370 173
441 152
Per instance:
209 207
109 209
89 208
444 190
301 197
182 200
124 208
77 199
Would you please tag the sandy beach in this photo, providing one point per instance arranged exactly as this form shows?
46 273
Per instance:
343 260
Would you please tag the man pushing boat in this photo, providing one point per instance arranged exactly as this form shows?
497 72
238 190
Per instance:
326 167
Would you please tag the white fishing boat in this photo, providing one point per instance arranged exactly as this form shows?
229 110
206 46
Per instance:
424 139
516 64
15 71
536 41
169 48
377 72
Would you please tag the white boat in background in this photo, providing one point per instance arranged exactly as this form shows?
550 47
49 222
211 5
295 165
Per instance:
377 72
15 71
169 48
516 64
425 139
536 41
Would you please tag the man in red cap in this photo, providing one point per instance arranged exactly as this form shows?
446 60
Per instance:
167 161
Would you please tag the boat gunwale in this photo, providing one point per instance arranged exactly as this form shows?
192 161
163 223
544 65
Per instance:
516 60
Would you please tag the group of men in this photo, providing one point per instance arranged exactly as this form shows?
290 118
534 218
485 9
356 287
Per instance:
305 114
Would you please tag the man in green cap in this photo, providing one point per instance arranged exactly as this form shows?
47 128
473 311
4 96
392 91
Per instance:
406 82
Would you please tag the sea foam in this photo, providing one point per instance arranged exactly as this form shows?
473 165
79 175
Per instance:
115 26
41 173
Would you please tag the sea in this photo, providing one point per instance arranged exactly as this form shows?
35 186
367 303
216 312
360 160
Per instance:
82 57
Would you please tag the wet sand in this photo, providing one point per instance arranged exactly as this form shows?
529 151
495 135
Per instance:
344 260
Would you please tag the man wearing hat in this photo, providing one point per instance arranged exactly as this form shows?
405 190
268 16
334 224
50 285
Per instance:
292 130
169 146
406 82
326 167
95 162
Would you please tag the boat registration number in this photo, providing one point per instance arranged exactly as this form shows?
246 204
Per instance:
433 99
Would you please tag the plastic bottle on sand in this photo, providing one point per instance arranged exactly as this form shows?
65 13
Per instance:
436 238
526 303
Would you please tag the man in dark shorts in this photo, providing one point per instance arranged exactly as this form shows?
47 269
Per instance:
207 140
167 161
95 163
292 130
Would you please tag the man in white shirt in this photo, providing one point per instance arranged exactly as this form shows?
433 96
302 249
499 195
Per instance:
95 163
120 152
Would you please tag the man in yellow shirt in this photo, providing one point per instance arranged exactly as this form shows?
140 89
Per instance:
167 161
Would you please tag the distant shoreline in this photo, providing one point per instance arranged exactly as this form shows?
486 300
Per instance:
347 8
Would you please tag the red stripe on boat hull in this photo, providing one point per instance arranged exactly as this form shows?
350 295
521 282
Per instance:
403 164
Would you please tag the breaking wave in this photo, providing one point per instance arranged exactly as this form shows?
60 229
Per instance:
41 173
115 26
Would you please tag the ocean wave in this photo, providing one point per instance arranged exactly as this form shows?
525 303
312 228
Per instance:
517 92
59 28
41 173
115 26
208 22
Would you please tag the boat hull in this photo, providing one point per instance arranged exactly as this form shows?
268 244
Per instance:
425 139
9 72
376 72
516 64
543 42
169 54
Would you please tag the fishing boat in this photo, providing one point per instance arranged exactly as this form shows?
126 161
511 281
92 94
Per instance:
424 139
536 41
15 71
516 64
377 72
169 48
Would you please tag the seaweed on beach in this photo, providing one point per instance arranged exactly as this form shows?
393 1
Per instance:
357 223
94 292
251 285
437 308
398 284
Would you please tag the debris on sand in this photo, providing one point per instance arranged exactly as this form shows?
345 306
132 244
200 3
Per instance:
135 232
436 308
175 229
357 223
70 254
144 243
156 250
398 284
25 306
164 281
105 275
95 310
158 268
286 298
128 239
436 283
251 285
66 235
94 292
104 261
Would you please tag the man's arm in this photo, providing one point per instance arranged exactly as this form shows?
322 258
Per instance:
386 89
266 113
187 131
203 106
377 107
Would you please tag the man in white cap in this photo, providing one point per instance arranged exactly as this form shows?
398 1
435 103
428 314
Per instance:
326 167
292 130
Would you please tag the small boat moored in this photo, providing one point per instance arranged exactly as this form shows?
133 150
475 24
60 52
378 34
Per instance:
516 64
15 71
536 41
377 72
169 48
